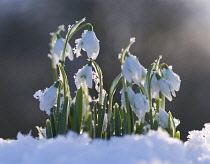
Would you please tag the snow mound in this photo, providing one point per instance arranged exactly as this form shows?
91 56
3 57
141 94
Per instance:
154 148
198 145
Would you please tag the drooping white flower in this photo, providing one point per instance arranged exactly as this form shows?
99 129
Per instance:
166 88
155 88
58 50
47 98
172 77
84 77
130 94
88 43
138 102
140 105
163 116
144 74
132 70
163 85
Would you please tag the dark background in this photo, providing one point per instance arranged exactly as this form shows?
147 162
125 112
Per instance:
179 30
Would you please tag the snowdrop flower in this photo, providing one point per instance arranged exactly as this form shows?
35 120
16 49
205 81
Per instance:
163 116
58 50
155 89
158 84
88 43
132 70
166 88
130 93
47 97
138 102
140 105
84 77
172 77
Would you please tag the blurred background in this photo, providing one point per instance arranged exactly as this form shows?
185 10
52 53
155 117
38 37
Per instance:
179 30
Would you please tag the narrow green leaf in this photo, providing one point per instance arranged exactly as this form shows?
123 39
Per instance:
155 125
112 90
137 127
63 122
78 111
48 129
100 120
95 117
99 72
74 27
52 121
117 120
71 117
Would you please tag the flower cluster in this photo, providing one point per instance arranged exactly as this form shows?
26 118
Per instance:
143 92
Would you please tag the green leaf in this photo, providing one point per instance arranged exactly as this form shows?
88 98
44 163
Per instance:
117 120
63 122
155 125
48 129
78 111
100 120
95 117
132 40
52 121
99 72
112 90
74 27
137 127
88 125
71 117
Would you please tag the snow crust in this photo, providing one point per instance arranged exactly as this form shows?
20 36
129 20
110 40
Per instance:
154 148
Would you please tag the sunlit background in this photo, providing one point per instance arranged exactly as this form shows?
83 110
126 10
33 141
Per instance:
179 30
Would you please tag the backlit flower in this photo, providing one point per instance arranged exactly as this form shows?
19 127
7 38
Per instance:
84 77
172 77
138 102
47 98
58 50
88 43
132 70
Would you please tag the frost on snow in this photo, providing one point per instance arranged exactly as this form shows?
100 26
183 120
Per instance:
154 148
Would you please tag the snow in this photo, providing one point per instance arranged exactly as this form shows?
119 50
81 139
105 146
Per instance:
154 148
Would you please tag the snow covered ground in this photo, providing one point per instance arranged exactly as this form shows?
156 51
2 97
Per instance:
154 148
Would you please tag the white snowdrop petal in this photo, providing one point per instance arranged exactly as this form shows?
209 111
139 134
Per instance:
88 43
58 47
84 77
172 77
139 105
163 115
155 88
48 99
165 88
132 70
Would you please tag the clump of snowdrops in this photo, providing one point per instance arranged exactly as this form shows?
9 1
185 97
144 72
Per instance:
143 92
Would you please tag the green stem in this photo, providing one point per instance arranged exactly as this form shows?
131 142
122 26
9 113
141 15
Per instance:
68 37
163 101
